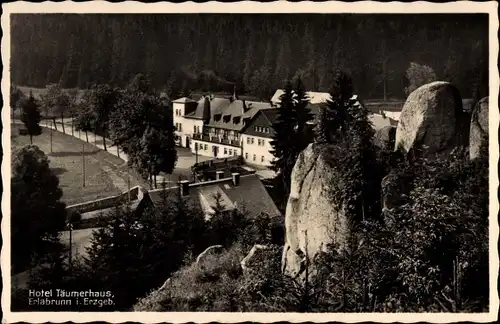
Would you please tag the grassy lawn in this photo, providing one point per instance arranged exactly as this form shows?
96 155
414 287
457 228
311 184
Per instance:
105 174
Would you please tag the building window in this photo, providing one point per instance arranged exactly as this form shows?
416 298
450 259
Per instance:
254 157
248 140
262 158
252 140
225 151
234 152
246 156
180 127
194 129
206 147
230 152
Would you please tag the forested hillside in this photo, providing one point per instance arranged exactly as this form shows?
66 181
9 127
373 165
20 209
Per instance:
255 53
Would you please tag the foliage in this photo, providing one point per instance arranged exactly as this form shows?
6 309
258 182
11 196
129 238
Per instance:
283 142
30 116
347 137
55 101
118 46
85 119
101 101
434 245
16 95
418 75
142 125
37 212
303 113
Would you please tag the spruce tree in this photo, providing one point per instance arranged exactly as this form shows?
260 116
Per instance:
303 115
283 143
30 116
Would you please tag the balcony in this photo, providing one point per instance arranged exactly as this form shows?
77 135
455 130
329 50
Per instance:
216 139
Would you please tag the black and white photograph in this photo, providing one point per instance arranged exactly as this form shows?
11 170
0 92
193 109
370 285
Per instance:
245 160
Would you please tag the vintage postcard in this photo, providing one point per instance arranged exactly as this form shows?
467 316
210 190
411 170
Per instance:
250 162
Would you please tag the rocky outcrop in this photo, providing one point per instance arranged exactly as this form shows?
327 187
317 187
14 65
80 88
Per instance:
384 138
479 128
210 251
312 220
433 119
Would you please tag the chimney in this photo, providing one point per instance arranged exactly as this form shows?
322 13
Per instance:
236 179
219 175
184 187
206 111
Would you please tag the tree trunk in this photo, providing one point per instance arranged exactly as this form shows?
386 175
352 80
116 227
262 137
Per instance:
62 122
87 136
104 138
154 177
72 126
31 139
54 122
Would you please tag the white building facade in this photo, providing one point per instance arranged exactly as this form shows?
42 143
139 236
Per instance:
186 121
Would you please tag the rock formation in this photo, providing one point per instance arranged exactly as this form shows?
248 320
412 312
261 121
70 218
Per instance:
312 220
479 128
212 250
384 138
432 118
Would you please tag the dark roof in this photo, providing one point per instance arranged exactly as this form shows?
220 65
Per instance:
250 196
216 105
263 118
228 107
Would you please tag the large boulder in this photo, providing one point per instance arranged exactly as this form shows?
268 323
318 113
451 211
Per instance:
479 128
384 138
432 119
312 219
208 253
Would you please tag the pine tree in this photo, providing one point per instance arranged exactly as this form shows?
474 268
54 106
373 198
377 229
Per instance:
303 113
283 143
321 129
336 115
30 116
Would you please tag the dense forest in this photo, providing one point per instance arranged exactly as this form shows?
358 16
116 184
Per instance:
255 53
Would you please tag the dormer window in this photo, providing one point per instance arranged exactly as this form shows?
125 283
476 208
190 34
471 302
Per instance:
217 117
236 120
227 118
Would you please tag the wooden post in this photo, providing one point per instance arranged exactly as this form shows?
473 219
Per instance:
70 228
83 164
51 140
